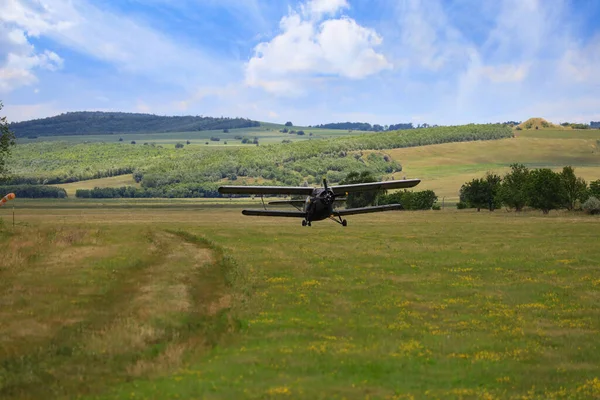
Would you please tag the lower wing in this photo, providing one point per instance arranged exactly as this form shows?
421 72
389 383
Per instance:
287 202
365 210
267 213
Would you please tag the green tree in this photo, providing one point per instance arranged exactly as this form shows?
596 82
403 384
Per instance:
361 199
7 140
574 188
513 191
493 183
289 123
481 193
595 189
545 190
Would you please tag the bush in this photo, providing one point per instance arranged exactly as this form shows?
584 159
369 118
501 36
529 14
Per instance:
436 207
177 146
461 205
422 200
592 206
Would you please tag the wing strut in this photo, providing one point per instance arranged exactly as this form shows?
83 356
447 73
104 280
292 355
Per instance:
263 202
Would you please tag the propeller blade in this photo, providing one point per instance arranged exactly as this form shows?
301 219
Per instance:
325 183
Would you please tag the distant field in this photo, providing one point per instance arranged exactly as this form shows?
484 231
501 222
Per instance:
560 134
445 167
267 133
111 303
113 181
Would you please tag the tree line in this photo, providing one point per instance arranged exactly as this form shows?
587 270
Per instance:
364 126
89 123
34 191
541 189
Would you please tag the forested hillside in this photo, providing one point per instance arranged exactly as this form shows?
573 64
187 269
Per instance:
170 170
89 123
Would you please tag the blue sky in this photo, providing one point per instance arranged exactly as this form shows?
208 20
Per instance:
311 61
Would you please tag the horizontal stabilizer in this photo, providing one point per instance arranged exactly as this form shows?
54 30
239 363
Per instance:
366 210
268 213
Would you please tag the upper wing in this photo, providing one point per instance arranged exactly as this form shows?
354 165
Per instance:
307 191
267 213
363 187
365 210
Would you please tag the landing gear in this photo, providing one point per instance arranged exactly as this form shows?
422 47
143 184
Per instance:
305 223
340 221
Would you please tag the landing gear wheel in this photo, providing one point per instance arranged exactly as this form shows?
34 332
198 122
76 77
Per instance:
344 223
304 223
309 223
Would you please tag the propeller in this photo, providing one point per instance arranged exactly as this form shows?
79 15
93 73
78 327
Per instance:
328 195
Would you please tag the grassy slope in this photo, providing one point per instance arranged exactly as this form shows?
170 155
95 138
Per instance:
445 167
113 181
401 305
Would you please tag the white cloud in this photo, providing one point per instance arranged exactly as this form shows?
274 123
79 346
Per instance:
121 41
318 8
581 64
505 73
309 47
19 59
428 38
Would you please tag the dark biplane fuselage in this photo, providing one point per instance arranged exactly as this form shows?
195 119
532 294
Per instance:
319 206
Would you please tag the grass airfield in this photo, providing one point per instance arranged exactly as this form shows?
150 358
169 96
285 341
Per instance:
187 300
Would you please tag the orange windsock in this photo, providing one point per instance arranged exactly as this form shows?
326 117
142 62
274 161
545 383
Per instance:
6 198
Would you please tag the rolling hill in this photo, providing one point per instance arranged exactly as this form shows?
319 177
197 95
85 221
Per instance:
93 123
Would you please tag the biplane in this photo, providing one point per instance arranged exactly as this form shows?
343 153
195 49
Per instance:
319 203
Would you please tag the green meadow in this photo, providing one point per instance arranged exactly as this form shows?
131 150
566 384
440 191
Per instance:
190 300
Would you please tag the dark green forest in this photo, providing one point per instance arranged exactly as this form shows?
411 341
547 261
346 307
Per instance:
91 123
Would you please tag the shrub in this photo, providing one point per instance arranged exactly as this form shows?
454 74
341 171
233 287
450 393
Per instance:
592 206
436 207
461 205
179 145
